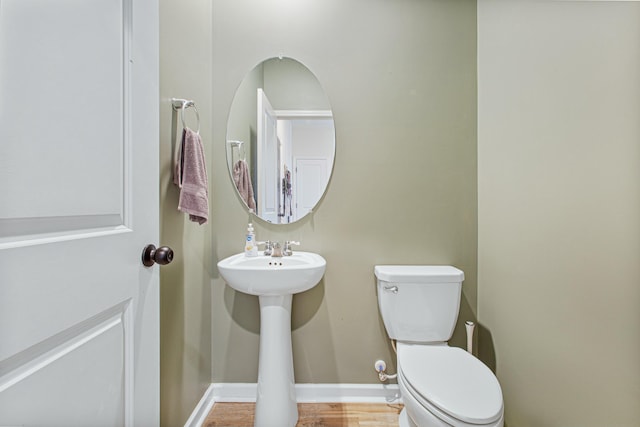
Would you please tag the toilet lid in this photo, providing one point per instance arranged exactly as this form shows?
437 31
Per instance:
453 381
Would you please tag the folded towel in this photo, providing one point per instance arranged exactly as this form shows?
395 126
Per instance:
190 175
243 183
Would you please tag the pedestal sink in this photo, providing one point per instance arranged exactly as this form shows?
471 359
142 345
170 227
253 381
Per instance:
274 281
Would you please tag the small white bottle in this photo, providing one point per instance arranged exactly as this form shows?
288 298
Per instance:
250 248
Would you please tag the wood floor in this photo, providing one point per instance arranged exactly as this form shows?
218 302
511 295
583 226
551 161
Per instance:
311 415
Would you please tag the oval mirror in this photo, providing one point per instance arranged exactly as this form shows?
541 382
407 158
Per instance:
280 140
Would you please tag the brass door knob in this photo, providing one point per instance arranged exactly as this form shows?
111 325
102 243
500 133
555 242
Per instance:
162 255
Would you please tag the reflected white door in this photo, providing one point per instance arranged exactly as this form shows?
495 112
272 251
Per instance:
267 161
78 202
309 184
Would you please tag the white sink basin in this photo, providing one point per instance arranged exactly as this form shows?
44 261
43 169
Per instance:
268 276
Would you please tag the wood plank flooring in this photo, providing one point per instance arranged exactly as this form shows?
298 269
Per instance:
311 415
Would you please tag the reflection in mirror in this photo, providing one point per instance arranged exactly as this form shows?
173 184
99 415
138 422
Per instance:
280 140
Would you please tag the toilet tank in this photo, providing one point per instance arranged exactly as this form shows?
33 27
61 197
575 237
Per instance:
419 303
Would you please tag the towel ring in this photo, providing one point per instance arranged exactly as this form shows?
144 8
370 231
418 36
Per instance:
182 105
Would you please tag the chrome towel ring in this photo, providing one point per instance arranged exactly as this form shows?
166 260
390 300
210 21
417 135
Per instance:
181 105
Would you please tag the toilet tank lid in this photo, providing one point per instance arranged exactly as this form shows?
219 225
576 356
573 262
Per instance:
419 273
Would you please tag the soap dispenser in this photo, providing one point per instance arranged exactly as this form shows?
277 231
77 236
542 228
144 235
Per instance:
250 246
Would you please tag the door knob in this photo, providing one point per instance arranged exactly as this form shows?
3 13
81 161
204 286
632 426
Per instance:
162 255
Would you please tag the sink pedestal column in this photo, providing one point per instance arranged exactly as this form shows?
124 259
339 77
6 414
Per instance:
276 404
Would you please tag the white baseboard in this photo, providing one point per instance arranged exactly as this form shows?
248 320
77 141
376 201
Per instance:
202 409
305 393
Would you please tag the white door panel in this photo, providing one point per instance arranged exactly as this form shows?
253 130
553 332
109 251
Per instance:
47 375
62 98
310 182
78 202
268 160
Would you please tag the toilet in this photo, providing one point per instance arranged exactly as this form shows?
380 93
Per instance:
439 385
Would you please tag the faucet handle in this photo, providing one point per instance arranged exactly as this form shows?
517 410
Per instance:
287 247
268 247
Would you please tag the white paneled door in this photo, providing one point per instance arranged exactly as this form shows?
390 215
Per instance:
78 202
268 160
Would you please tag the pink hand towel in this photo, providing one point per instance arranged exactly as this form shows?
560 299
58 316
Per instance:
243 183
190 175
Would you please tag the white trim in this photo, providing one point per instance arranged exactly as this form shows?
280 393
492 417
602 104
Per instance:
359 393
202 409
305 393
304 114
24 239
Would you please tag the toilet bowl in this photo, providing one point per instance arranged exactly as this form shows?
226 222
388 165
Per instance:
439 385
446 386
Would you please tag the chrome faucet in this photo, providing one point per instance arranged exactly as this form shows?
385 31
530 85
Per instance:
273 249
277 250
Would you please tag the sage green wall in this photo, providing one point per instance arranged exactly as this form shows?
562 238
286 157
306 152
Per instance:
185 294
559 209
401 79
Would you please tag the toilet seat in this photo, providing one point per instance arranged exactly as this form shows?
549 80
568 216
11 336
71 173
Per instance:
450 382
